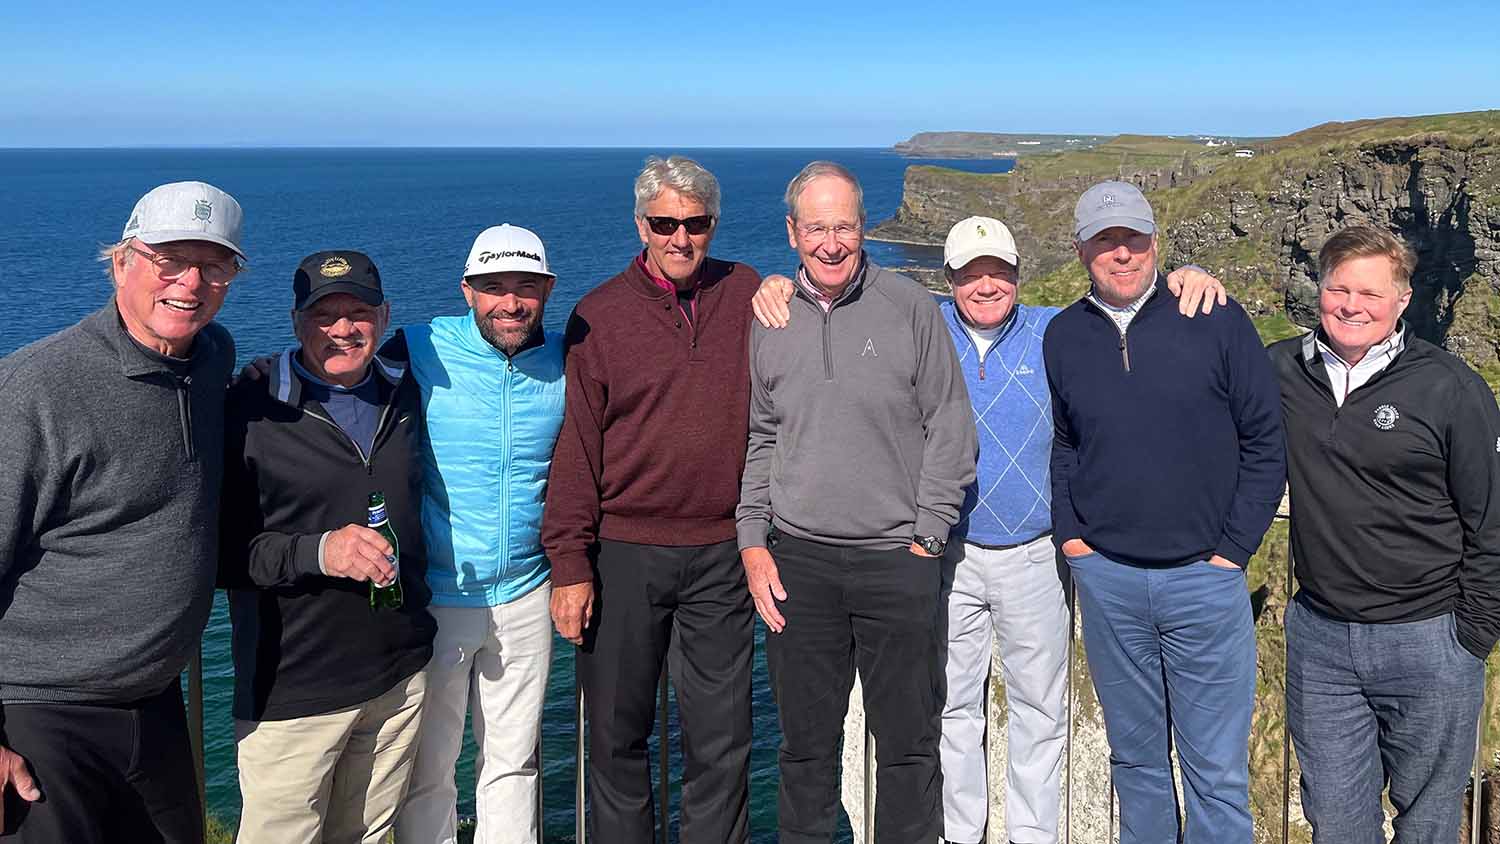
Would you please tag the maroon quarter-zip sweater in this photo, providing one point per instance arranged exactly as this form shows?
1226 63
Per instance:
653 438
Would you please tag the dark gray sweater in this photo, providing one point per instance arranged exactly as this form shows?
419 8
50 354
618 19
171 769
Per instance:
861 431
110 465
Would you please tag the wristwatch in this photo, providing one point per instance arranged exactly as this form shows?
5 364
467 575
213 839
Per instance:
930 544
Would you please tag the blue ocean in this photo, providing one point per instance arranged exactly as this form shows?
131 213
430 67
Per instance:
415 212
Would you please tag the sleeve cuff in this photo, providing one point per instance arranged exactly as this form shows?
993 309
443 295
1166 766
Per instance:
571 569
929 524
1232 552
751 533
307 554
322 542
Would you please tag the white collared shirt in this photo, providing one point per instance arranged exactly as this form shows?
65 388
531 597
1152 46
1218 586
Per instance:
1344 378
1123 315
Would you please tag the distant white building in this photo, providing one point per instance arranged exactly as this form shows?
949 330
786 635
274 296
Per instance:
1244 153
1029 143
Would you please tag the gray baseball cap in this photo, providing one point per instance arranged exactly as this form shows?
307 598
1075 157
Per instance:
1110 204
186 211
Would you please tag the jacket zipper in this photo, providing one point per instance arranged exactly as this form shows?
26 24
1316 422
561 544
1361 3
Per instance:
379 426
505 449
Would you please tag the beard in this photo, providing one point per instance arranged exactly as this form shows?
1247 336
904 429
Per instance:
508 342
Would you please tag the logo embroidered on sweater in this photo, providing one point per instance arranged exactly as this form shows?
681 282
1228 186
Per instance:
869 348
1386 416
1023 369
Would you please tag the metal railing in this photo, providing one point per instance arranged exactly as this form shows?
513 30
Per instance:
867 822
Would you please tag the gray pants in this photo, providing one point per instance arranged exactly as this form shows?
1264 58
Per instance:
1372 705
1018 594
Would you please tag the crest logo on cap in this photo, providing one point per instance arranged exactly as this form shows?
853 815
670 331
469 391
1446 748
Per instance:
1107 201
982 232
1386 416
334 267
203 210
135 223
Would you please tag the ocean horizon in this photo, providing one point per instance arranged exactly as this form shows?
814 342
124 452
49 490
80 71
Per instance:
415 211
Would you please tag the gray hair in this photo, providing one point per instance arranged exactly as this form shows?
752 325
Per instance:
681 174
822 168
107 254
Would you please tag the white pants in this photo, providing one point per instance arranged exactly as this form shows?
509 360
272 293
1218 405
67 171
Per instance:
1018 593
496 660
336 777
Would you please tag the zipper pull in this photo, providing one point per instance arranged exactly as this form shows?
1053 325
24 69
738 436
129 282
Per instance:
981 371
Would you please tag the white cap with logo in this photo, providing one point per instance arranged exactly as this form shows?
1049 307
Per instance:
974 237
507 249
186 211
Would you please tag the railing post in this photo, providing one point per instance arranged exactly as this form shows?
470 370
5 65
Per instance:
1286 726
580 831
869 780
1474 830
195 725
1068 740
663 811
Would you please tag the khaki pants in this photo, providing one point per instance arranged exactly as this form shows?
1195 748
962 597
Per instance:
491 662
334 778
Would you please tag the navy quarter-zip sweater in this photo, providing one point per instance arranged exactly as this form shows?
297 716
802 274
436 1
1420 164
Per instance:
1167 442
1396 494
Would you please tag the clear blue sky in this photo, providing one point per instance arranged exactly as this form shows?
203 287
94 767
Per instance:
682 73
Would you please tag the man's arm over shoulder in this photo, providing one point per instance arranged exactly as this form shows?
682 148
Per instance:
570 517
1473 451
753 516
1255 402
952 447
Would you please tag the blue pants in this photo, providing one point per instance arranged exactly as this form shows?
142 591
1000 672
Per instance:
1173 648
1371 704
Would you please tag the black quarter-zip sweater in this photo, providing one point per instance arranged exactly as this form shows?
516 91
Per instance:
1396 494
305 643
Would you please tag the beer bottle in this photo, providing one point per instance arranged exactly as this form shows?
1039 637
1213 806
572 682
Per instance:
385 597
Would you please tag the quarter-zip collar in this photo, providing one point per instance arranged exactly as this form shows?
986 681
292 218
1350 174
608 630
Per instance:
286 387
1123 316
805 287
108 328
1336 375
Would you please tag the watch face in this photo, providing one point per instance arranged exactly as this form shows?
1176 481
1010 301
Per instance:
931 544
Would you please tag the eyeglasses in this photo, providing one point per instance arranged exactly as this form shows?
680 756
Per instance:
174 267
668 225
843 231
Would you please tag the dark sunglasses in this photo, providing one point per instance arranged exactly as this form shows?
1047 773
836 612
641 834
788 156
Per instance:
668 225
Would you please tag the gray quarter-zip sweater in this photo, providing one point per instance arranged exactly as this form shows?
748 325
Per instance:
110 466
861 431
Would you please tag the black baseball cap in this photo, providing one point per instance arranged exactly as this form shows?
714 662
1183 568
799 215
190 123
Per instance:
336 271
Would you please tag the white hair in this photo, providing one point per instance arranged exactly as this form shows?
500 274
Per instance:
681 174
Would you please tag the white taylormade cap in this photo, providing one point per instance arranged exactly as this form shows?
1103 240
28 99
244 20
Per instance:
978 236
507 249
186 211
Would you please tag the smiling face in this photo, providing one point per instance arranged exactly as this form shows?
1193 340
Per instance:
1360 302
827 232
1121 262
339 334
984 291
167 315
678 256
507 307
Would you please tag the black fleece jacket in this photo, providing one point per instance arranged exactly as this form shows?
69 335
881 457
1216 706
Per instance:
1396 494
305 643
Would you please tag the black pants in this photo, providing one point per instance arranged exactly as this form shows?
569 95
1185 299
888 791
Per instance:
690 606
108 774
877 610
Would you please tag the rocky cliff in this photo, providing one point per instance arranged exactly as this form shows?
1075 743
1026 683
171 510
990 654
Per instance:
1259 222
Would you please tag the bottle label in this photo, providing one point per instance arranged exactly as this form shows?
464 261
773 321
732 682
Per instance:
377 515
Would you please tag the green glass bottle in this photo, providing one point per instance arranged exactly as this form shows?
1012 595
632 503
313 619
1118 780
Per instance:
385 597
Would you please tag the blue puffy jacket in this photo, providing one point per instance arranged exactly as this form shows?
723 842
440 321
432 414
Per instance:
491 424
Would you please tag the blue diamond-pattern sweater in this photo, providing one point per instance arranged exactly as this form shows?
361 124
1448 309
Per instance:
1011 502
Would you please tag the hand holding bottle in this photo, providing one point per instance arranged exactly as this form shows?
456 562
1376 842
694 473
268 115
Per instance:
358 553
